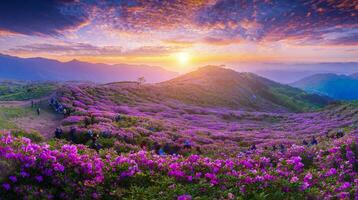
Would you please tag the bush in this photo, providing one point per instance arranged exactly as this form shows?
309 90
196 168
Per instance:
34 136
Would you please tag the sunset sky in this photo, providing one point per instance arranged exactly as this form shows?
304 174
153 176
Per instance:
181 34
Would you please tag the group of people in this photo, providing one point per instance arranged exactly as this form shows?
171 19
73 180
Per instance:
280 147
38 109
94 138
72 136
171 149
59 108
89 120
311 143
340 133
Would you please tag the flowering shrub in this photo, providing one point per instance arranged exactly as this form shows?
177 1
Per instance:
327 171
210 151
146 116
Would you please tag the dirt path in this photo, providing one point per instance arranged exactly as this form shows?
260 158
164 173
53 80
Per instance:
45 123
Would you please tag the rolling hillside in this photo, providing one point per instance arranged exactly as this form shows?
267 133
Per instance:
215 86
335 86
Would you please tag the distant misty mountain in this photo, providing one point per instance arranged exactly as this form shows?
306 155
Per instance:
354 75
336 86
291 72
41 69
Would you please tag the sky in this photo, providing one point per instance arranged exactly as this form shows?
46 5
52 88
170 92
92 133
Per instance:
181 34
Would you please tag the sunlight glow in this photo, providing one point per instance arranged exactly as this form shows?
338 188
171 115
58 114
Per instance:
183 58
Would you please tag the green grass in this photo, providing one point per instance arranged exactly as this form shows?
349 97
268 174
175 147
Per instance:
296 100
25 92
9 113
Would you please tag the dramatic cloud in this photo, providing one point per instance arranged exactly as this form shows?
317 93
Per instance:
82 49
41 17
231 19
208 30
147 15
279 19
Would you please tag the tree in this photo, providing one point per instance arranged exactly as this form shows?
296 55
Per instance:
141 80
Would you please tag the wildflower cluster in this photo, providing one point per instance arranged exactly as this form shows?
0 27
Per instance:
74 171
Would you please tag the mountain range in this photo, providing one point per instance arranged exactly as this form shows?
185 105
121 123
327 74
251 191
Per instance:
221 87
342 87
41 69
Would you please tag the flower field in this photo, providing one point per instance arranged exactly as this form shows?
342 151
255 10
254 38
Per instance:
149 146
41 171
149 117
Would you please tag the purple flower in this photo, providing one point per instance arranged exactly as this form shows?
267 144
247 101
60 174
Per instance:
345 186
6 186
294 179
24 174
58 167
13 179
331 172
39 178
184 197
308 177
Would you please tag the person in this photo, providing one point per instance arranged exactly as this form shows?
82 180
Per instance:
327 134
60 108
64 113
175 150
305 142
52 101
175 138
38 111
161 152
143 145
106 134
314 141
32 103
87 121
90 133
340 133
95 144
282 147
187 144
253 147
73 134
152 129
93 119
118 118
58 132
274 148
198 149
166 148
156 147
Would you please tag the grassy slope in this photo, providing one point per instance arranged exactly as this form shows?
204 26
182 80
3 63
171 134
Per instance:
25 92
9 113
224 87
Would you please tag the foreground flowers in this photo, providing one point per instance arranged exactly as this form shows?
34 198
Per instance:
68 171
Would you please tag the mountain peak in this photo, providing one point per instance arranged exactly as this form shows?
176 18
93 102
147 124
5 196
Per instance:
74 61
219 86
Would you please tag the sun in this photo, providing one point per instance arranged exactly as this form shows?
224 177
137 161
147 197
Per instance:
183 58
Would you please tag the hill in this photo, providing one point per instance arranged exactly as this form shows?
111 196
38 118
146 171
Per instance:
41 69
216 86
127 140
354 75
335 86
